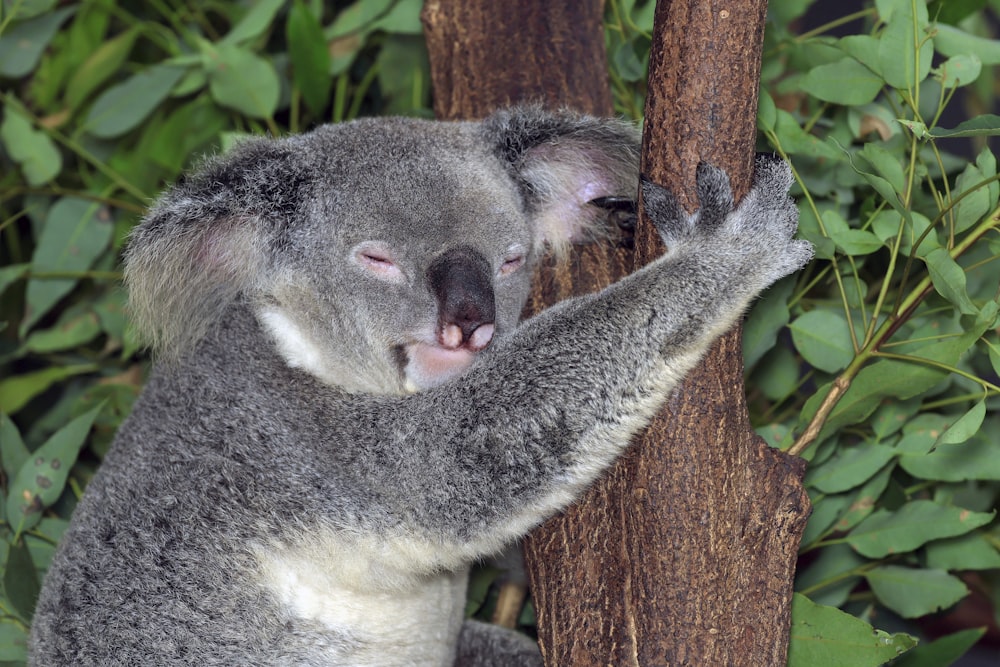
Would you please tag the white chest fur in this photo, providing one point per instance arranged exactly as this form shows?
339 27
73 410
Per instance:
375 615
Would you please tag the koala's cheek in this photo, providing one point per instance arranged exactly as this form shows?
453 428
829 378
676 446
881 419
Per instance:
429 365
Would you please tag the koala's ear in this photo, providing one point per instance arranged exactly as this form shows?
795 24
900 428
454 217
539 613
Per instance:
210 239
562 161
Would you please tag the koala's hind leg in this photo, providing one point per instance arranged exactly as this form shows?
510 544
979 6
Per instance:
485 645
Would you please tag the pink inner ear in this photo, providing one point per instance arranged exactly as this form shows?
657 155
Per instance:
567 177
223 251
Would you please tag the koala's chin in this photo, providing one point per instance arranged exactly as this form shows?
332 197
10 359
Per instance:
429 366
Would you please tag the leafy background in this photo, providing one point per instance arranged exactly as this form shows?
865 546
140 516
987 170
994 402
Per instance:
879 363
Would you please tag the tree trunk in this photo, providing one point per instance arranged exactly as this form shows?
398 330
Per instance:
684 553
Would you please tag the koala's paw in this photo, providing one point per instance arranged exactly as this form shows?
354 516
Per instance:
755 237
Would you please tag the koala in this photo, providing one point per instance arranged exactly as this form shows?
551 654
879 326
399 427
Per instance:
346 413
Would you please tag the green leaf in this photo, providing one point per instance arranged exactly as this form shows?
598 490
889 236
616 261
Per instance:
891 378
357 16
972 551
310 57
42 478
891 416
76 232
912 593
959 71
949 280
13 643
769 316
10 274
403 73
904 53
824 339
99 67
20 580
886 224
890 9
827 637
258 19
975 459
944 651
849 468
986 125
13 453
846 82
854 242
951 41
75 328
979 199
865 500
796 141
922 432
17 390
23 44
830 577
403 18
886 165
767 112
241 80
911 526
825 512
123 107
32 149
965 427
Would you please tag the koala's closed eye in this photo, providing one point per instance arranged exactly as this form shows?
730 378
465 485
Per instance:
346 412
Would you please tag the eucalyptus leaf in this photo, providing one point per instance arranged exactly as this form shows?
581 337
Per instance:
242 80
22 44
973 460
965 427
949 280
941 652
124 106
258 18
904 51
41 479
911 592
823 339
960 70
845 82
972 551
17 390
827 637
32 149
951 41
13 453
76 233
986 125
100 66
20 579
769 316
911 526
849 468
310 57
13 643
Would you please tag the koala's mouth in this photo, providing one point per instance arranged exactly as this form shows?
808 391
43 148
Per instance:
425 365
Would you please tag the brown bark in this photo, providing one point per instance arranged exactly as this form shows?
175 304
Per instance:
684 553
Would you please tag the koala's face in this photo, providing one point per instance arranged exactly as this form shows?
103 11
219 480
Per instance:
381 255
409 259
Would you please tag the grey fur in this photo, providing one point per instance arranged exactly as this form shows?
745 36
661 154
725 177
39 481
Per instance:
280 494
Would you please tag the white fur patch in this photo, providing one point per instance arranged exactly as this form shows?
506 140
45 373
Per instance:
390 617
293 345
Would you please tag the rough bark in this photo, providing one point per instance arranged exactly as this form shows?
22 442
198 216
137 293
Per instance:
684 553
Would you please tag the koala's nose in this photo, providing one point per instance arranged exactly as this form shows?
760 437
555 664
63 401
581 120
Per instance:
462 284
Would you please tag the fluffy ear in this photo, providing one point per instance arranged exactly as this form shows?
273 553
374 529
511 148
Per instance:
562 161
210 239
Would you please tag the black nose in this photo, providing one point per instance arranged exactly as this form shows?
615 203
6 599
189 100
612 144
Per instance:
462 282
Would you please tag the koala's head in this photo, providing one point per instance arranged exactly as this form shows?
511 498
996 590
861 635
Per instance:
381 255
